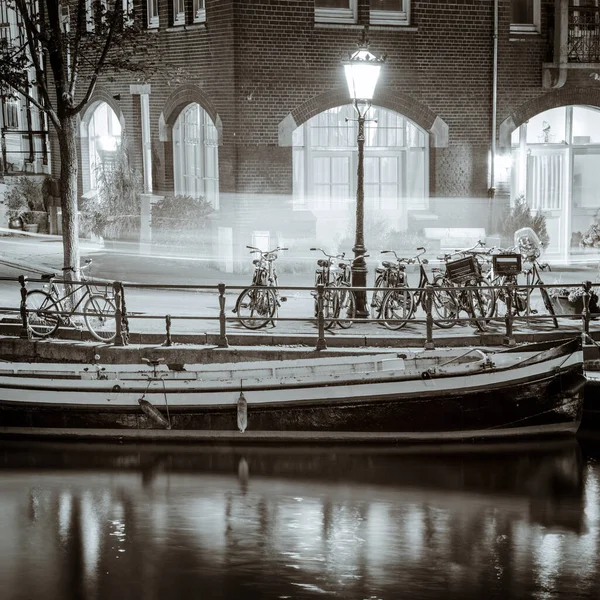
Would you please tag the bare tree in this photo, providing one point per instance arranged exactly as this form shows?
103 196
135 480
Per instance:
60 50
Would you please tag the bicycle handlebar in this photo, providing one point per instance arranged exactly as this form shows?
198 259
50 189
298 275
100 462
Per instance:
330 256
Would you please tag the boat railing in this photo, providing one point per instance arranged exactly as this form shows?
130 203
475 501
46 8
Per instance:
496 329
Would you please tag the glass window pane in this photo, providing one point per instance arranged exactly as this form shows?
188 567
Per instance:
515 137
371 169
585 180
332 3
339 169
547 127
586 125
389 169
522 11
386 5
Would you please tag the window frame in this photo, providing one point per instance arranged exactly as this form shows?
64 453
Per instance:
152 18
178 15
338 15
12 107
199 8
534 27
391 17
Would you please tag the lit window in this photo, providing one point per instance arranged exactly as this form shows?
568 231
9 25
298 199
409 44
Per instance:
390 12
199 11
325 159
335 11
11 114
178 12
525 16
152 13
195 155
128 13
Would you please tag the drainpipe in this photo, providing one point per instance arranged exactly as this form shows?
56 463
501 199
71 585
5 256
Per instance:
492 189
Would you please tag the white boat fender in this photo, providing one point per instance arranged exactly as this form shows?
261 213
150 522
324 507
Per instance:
242 413
151 411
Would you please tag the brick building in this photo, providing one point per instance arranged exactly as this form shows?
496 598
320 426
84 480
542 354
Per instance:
479 102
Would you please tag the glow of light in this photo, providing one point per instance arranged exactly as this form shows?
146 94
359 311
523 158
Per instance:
65 508
107 143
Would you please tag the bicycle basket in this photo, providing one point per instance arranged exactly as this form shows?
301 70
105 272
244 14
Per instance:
461 269
507 264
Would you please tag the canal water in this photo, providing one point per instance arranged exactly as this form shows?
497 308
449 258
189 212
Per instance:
92 521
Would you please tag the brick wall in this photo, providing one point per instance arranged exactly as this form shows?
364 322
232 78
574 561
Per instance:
258 61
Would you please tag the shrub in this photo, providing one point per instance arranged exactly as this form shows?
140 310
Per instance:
179 219
24 196
115 211
520 216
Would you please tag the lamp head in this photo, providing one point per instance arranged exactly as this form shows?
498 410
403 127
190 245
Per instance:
362 70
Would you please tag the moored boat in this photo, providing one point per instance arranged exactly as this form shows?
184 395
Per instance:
390 397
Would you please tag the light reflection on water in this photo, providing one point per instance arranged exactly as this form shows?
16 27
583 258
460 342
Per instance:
100 522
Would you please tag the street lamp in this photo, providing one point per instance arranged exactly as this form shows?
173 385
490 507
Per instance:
362 72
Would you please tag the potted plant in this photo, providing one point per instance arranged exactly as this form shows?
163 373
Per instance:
569 301
25 203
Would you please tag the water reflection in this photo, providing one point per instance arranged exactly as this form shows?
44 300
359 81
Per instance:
92 521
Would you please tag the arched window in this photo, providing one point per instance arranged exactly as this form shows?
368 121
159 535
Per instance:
395 161
195 155
104 136
556 160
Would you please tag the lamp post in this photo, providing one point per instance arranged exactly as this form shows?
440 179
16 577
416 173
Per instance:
362 72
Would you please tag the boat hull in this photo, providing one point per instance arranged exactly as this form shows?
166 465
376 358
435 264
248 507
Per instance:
543 396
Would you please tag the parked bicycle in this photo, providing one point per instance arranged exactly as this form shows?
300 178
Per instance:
467 287
399 305
256 306
339 302
58 302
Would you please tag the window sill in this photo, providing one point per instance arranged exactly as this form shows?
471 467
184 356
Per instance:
191 27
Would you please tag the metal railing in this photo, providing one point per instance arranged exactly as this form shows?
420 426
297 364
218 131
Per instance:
503 325
583 39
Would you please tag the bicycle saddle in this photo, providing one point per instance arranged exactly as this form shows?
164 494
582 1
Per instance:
47 276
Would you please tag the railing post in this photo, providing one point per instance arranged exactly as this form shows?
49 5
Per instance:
321 343
585 316
509 338
124 318
25 333
168 341
118 314
222 341
429 345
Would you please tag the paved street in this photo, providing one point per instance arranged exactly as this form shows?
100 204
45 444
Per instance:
31 255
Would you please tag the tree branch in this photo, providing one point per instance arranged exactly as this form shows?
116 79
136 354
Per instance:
117 15
33 37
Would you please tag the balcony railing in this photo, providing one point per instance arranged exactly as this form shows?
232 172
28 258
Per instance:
583 40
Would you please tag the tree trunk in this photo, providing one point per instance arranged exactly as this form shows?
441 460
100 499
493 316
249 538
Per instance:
67 138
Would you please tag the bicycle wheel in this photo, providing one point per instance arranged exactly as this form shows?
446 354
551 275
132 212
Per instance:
99 315
397 308
444 307
483 304
378 296
255 307
548 305
539 297
43 316
346 308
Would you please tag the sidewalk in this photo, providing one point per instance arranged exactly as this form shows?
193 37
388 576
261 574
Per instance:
32 254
